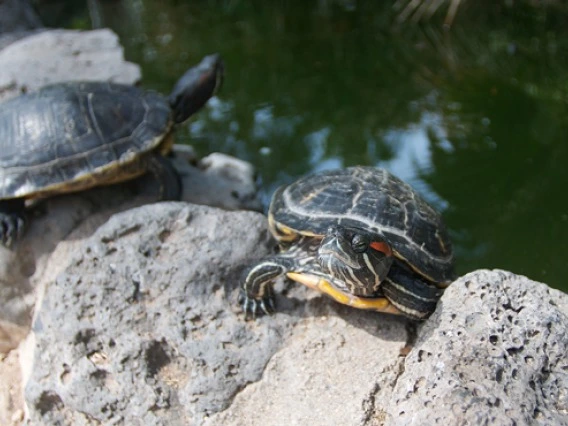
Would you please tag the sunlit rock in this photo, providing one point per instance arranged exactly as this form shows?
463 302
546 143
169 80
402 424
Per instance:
55 56
495 352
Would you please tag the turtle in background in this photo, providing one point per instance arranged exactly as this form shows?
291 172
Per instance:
359 235
72 136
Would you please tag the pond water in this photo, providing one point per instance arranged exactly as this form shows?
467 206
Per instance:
475 118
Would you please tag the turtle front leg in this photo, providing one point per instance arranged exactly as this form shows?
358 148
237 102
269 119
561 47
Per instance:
166 175
12 221
257 291
411 293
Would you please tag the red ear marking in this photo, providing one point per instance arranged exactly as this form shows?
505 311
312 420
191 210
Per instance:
382 247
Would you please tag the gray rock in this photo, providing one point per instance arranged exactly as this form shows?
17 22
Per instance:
217 180
60 226
63 55
11 397
142 326
38 258
328 373
495 352
9 38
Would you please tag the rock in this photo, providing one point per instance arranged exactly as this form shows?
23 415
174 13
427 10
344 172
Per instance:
328 373
11 396
217 180
17 15
494 352
62 223
10 336
59 221
142 326
63 55
9 38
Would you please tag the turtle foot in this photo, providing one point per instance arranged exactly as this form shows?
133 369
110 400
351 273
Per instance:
253 307
11 228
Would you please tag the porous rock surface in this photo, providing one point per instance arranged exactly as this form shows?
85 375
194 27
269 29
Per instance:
494 353
142 327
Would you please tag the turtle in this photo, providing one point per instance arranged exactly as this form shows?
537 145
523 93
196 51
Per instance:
359 235
72 136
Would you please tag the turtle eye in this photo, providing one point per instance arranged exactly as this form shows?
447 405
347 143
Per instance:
359 243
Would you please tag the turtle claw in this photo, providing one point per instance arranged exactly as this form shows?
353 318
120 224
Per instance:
253 307
11 229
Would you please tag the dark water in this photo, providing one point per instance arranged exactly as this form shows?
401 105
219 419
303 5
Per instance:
475 118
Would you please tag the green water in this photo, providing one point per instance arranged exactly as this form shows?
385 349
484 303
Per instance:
475 118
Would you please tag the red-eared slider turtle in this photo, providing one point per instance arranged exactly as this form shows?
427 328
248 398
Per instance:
359 235
72 136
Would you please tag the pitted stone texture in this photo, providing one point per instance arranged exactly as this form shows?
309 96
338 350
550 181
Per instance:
142 326
55 56
494 352
326 375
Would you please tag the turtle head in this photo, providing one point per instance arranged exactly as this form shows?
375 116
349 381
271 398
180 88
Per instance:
196 86
358 258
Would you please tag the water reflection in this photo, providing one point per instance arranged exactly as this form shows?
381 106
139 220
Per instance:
474 118
413 156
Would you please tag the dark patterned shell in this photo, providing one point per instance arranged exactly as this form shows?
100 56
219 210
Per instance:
65 132
374 200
